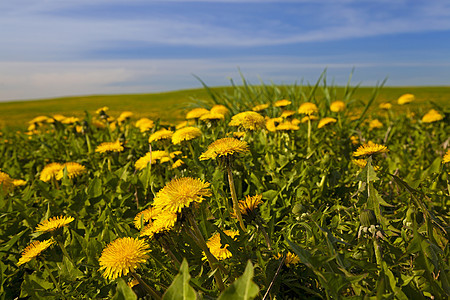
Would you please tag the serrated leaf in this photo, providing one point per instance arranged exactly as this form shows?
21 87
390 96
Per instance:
123 291
243 288
368 173
94 189
68 271
180 288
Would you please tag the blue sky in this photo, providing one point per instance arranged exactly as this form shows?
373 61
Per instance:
76 47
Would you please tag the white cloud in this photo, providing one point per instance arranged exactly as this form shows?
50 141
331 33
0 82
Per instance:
49 33
24 80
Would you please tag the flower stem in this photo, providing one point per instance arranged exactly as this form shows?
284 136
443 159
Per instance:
198 238
237 211
264 233
309 134
148 288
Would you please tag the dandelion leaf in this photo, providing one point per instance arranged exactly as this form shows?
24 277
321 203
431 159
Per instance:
243 288
180 288
123 291
68 271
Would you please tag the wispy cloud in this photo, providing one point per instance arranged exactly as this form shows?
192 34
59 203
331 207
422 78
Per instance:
51 28
19 80
52 48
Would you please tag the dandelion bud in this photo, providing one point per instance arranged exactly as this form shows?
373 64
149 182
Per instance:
368 218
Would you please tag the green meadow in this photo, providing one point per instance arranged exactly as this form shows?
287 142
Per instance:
170 106
229 193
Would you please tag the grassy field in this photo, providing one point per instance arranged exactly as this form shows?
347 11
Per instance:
305 199
170 106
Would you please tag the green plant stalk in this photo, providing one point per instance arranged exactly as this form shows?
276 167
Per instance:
88 143
212 260
177 172
378 256
309 134
63 249
237 211
147 288
192 151
165 244
264 232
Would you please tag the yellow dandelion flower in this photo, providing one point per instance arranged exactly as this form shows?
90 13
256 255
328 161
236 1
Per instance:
282 103
109 147
144 124
6 182
308 108
249 120
271 124
153 156
33 250
38 120
287 113
219 109
132 283
162 134
215 245
146 215
53 224
337 106
385 106
375 124
286 126
32 127
225 147
196 113
291 259
73 170
326 121
354 139
405 99
19 182
369 149
239 134
260 107
308 118
432 116
50 171
58 118
98 124
102 109
212 116
113 126
446 157
180 193
122 256
124 116
182 124
163 221
70 120
177 164
362 164
249 204
185 134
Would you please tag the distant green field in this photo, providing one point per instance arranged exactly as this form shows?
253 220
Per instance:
170 106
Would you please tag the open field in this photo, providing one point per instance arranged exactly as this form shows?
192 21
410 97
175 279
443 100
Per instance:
170 106
322 196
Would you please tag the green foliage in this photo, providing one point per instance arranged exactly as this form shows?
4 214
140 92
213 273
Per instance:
325 227
243 288
180 288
